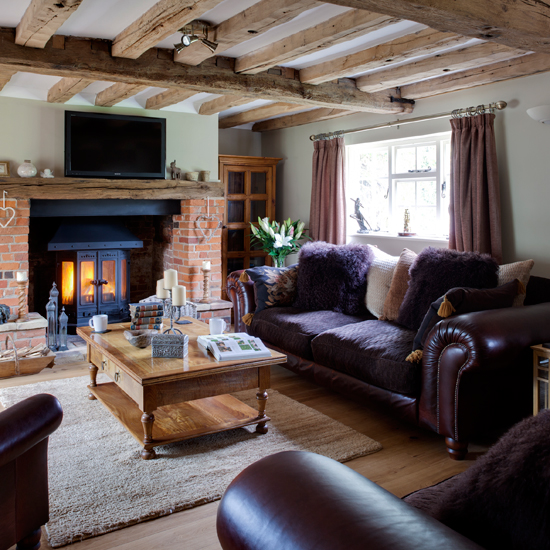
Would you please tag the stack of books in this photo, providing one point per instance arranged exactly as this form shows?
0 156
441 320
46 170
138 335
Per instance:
146 315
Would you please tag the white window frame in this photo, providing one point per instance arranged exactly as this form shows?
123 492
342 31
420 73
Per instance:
441 175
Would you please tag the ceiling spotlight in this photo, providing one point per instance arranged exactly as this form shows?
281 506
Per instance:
193 32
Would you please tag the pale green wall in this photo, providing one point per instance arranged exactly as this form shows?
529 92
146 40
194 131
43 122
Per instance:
234 141
523 148
35 130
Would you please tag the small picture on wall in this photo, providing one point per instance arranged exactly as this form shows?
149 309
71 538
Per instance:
4 168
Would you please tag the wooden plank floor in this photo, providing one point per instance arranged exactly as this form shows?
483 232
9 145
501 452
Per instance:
411 459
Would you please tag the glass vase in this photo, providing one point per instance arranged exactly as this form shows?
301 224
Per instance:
27 169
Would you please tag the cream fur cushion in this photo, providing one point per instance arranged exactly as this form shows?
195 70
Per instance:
517 270
379 280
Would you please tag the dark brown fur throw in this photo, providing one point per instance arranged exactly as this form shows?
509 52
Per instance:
503 500
437 270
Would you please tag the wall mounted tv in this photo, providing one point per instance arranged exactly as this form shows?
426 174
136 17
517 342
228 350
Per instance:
114 146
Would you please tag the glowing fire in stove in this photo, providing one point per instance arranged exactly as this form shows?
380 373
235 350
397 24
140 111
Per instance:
87 275
67 283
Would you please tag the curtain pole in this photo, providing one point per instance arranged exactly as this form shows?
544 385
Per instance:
457 113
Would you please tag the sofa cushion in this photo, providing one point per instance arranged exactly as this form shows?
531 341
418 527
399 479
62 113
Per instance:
437 270
399 285
273 286
333 277
517 270
379 279
372 351
503 499
292 329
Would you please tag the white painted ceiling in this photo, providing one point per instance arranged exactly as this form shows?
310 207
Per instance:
106 18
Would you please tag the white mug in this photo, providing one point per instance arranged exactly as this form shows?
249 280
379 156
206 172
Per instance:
217 326
99 323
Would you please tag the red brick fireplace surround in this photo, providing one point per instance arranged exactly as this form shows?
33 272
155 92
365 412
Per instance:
184 249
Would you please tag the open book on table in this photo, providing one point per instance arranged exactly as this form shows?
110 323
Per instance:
228 347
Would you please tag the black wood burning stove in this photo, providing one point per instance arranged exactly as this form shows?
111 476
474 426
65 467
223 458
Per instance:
93 270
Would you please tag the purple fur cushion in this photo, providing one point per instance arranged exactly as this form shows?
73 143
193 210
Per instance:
333 277
437 270
502 501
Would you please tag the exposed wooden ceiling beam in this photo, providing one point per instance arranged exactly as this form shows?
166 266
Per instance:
167 98
222 103
457 60
42 19
158 23
78 59
66 88
253 115
420 43
299 119
247 24
116 93
518 24
5 77
341 28
504 70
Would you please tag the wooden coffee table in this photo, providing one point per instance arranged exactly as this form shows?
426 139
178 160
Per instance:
161 401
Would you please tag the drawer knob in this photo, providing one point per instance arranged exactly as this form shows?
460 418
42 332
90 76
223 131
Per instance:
117 376
103 364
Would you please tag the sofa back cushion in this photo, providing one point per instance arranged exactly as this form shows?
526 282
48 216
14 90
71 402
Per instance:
399 285
517 270
437 270
379 280
273 286
333 277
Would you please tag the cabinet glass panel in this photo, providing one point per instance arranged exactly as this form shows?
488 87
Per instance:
541 373
542 361
87 275
123 280
257 210
234 264
235 240
67 283
258 183
235 211
543 395
257 261
108 271
235 183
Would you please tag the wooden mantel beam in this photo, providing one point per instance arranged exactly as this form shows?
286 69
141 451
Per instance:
42 19
80 59
522 24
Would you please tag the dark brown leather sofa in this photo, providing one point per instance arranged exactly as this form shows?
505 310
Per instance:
297 500
24 431
475 375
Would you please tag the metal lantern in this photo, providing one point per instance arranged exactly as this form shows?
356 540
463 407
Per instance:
54 295
52 321
63 320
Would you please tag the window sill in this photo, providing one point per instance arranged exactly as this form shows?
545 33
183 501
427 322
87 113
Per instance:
379 235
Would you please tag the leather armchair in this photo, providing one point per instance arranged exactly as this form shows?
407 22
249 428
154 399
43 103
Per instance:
24 431
298 500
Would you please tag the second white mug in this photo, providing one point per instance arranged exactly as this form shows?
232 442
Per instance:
99 323
217 326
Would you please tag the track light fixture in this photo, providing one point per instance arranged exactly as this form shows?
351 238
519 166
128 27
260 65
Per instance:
193 32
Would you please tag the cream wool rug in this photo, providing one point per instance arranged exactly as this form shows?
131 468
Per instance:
99 483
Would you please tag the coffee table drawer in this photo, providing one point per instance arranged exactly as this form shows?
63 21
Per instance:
104 364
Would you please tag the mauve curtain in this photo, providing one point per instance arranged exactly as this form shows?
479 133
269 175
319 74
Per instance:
475 194
327 219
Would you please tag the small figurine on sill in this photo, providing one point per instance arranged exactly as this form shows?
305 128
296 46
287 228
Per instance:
406 225
360 219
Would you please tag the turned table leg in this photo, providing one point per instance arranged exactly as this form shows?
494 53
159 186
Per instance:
31 541
261 396
147 419
93 377
457 449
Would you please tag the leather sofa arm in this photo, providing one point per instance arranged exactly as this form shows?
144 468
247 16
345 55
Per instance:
242 297
297 500
26 424
477 369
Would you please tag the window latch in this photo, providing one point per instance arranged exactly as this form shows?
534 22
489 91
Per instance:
443 189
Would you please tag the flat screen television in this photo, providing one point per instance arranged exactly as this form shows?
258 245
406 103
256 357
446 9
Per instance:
114 146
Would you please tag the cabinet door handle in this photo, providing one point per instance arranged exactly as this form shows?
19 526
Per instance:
117 376
103 364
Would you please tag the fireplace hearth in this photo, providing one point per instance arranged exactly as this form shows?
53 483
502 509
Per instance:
93 270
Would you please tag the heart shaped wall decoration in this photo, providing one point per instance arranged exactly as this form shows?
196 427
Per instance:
202 222
6 209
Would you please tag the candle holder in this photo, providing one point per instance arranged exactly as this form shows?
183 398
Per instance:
205 286
171 312
22 314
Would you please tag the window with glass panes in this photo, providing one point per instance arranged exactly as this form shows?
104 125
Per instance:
392 176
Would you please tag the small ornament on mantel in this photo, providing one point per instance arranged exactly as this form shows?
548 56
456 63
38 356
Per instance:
176 172
47 173
406 225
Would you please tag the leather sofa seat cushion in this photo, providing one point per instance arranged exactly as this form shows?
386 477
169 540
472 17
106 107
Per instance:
372 351
293 329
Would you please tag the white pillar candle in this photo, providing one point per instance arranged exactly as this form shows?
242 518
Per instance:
178 296
161 292
206 265
170 278
21 276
